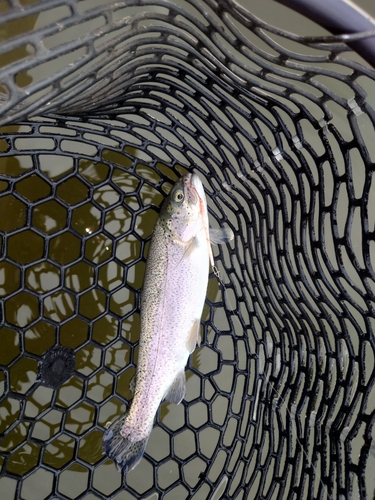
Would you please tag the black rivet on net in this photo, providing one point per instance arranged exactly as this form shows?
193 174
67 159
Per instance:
56 367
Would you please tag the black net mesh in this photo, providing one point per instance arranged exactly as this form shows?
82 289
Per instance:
129 96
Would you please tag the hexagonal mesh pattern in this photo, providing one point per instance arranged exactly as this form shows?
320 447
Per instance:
279 401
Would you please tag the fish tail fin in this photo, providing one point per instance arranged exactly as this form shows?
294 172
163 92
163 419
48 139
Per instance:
125 453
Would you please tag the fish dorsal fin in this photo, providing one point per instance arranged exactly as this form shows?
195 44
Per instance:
132 383
221 235
194 338
177 390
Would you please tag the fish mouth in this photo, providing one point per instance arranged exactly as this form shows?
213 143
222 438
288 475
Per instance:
194 188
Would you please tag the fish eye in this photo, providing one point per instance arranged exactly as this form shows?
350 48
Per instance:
178 197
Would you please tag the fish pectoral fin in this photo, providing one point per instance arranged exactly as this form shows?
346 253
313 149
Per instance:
190 249
221 235
177 390
194 338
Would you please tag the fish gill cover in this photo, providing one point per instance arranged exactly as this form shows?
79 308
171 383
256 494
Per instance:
103 106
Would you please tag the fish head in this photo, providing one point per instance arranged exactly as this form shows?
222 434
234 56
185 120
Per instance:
185 209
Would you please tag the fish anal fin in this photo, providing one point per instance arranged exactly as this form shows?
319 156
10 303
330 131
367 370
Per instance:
194 338
221 235
177 390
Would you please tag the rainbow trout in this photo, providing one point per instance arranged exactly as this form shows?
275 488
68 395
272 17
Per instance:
172 300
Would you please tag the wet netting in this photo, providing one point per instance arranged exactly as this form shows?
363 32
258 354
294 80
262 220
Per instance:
103 105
